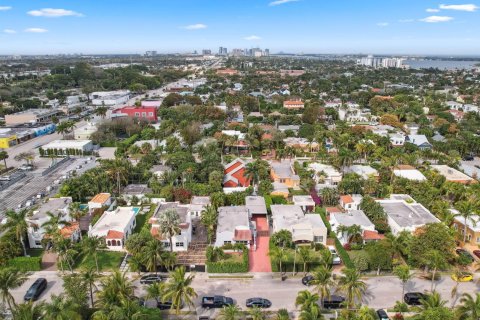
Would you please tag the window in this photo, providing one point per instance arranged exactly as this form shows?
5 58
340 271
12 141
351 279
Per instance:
318 239
227 242
144 114
242 242
282 180
478 239
137 114
178 244
109 243
38 243
166 244
150 114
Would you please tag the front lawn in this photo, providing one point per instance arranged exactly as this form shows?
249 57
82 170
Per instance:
107 261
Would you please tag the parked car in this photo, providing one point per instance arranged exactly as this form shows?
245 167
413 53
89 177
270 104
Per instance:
333 302
36 289
166 305
5 178
476 253
463 277
465 253
216 302
307 279
258 302
151 278
382 314
336 259
468 157
413 298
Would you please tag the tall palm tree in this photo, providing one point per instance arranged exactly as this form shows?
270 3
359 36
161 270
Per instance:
16 223
169 222
101 111
311 314
155 291
178 289
76 212
351 285
28 311
469 212
282 314
323 282
256 313
90 275
230 312
10 279
152 254
435 260
279 255
470 307
456 276
305 255
91 246
169 260
54 223
306 300
115 288
60 308
4 157
431 301
403 273
118 170
209 220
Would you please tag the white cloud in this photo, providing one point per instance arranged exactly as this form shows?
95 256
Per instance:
197 26
383 24
436 19
432 10
9 31
252 38
5 8
54 13
36 30
460 7
405 20
279 2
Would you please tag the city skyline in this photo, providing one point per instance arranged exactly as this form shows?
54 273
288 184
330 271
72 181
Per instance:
293 26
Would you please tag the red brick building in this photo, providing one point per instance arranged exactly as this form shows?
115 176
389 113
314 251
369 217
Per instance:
146 113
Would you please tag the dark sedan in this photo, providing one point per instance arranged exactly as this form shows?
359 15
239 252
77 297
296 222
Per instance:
258 302
413 298
307 279
151 278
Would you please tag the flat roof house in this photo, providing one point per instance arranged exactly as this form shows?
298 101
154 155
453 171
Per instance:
325 174
348 219
64 147
363 171
305 228
282 173
233 226
198 204
453 175
180 241
115 227
408 172
256 205
35 231
137 190
305 202
406 216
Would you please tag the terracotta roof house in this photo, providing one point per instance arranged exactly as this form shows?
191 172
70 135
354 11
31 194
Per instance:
227 72
100 200
234 174
293 104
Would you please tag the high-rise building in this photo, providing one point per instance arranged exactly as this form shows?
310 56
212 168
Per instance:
150 53
206 52
222 51
267 52
377 62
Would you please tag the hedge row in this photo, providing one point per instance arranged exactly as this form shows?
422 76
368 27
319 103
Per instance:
322 214
343 254
229 267
26 263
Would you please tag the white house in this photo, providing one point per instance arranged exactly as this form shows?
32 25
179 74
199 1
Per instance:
85 132
35 230
305 228
363 171
408 172
305 202
180 241
348 219
197 205
101 200
256 205
66 146
115 227
406 216
351 202
325 174
233 226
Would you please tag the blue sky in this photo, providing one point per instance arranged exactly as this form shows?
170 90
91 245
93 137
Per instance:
309 26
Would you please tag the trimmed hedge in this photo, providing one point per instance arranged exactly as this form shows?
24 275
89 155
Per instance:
228 266
343 254
322 214
26 263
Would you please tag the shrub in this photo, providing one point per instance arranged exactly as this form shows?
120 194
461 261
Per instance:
361 262
26 263
227 266
322 214
343 254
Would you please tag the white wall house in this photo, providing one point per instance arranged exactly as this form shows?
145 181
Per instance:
181 240
233 226
197 205
348 219
351 202
115 227
101 200
325 174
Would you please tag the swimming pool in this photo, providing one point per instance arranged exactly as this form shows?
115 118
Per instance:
136 209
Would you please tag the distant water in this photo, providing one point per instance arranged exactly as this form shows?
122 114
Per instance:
441 64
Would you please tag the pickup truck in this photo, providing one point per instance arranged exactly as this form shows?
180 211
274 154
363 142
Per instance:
216 302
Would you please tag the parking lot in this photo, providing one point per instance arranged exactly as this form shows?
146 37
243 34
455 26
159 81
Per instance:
34 182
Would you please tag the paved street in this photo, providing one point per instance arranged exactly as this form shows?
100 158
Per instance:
382 291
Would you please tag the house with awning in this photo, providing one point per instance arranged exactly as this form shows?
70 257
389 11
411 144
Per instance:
305 228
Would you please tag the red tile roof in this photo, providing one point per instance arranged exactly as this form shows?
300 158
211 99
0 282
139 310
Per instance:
67 231
372 235
242 235
346 199
113 234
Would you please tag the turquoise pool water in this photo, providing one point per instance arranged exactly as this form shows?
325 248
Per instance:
83 206
136 209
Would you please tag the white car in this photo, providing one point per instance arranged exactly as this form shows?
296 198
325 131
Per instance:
336 259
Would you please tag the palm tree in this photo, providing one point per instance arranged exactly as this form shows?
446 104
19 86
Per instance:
305 255
91 246
25 156
169 222
282 314
279 255
470 307
431 301
61 308
311 314
209 220
115 288
256 313
155 291
54 223
306 300
10 279
90 275
403 273
352 286
16 223
365 313
323 282
230 312
4 157
118 170
76 212
435 260
152 254
468 211
178 289
457 275
28 311
101 111
329 196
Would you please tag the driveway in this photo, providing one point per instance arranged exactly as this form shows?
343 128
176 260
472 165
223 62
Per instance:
259 259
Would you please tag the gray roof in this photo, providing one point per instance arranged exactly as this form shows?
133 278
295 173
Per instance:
53 205
231 217
256 204
284 169
136 189
182 210
407 214
352 217
160 167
